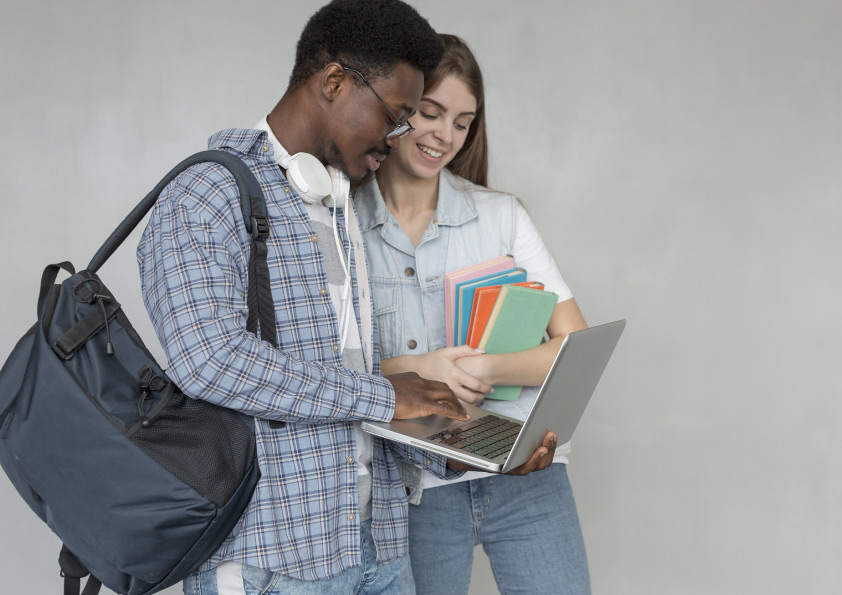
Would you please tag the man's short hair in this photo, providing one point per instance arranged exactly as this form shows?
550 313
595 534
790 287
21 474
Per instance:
372 36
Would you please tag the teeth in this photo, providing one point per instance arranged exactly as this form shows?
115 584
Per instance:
430 152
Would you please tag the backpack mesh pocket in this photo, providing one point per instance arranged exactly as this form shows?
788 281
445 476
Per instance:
190 437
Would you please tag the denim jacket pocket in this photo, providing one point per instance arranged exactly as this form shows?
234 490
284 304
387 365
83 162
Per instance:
385 310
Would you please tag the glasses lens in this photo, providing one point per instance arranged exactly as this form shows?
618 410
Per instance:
400 131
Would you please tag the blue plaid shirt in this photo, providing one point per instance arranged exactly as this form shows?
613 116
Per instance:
193 258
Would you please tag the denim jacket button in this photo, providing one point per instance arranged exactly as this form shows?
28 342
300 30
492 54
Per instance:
412 344
409 271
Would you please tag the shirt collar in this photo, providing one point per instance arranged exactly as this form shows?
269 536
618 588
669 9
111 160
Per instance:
247 142
455 204
277 148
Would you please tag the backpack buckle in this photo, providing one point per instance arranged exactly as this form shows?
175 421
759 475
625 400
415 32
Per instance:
259 228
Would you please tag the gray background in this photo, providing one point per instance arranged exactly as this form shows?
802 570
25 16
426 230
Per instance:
681 159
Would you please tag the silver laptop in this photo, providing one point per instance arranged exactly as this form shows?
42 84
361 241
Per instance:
498 443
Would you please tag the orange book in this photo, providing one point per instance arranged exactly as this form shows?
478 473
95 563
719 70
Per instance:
484 300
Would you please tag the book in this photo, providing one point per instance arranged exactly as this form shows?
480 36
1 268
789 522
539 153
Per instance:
465 298
479 269
517 322
484 299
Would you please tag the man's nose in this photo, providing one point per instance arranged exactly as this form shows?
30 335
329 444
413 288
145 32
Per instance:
393 142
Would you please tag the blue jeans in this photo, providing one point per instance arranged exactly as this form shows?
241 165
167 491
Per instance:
392 578
528 527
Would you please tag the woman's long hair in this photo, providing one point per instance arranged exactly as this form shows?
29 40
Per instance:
471 162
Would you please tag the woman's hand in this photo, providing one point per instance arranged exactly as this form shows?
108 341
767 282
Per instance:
479 367
441 365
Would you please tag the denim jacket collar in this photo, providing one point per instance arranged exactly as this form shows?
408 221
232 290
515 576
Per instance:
455 205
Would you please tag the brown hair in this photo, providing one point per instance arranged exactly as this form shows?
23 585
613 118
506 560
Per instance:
471 162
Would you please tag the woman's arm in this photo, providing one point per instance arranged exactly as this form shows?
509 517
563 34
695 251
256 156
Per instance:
529 367
441 365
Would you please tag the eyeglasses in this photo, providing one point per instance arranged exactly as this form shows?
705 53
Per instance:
400 129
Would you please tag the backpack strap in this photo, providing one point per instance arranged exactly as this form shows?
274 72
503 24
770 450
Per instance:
253 206
48 278
73 572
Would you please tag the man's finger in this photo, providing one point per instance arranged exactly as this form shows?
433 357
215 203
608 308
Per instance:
533 463
452 409
549 443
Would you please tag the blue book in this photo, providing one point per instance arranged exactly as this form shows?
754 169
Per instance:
464 294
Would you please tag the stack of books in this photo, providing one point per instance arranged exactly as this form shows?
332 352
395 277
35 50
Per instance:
491 306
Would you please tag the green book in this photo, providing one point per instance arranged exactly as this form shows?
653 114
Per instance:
517 322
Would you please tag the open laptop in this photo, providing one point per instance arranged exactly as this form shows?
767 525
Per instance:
498 443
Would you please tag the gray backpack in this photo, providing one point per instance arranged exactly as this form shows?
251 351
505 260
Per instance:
141 483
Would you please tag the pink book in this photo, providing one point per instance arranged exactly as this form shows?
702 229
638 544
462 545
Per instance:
474 271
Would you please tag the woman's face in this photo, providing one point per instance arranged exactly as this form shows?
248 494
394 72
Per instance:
441 124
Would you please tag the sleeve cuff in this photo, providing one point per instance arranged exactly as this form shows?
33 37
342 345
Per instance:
377 399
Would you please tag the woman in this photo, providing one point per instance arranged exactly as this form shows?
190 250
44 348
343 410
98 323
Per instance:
420 220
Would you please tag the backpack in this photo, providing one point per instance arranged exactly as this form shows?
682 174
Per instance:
141 483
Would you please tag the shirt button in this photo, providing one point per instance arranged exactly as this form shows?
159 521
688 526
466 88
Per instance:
351 517
322 291
287 189
409 271
314 238
430 462
265 148
412 344
335 348
350 459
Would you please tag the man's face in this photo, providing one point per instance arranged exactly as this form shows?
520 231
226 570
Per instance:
361 122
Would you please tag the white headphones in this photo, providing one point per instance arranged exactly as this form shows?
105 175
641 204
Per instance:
307 176
313 181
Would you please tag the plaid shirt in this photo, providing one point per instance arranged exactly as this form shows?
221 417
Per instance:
193 258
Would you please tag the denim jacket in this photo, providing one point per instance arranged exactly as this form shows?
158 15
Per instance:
471 224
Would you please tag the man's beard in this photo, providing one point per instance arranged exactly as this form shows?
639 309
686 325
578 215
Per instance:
334 158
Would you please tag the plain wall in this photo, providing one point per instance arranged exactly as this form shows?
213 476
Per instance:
682 160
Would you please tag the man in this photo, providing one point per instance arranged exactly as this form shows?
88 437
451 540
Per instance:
329 512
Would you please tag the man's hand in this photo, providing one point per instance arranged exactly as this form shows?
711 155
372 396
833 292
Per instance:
540 459
418 397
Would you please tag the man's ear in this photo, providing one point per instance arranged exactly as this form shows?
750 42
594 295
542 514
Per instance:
333 81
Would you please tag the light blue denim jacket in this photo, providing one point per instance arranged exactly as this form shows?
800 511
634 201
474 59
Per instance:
471 224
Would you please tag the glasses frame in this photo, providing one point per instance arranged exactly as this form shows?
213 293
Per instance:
401 128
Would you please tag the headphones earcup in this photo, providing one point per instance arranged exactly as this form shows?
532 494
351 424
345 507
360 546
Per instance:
340 189
309 177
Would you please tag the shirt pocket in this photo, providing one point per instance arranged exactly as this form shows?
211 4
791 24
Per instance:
385 297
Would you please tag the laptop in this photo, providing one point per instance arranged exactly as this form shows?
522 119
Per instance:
498 443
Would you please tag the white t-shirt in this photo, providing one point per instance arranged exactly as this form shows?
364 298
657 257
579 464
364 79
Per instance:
531 254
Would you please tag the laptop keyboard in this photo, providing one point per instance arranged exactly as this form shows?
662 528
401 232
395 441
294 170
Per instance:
489 436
